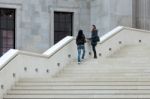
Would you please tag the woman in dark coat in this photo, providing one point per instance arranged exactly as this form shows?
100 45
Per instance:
80 40
94 36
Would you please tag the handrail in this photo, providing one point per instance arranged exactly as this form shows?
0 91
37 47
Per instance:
7 57
12 53
48 53
110 34
128 28
58 46
117 30
32 54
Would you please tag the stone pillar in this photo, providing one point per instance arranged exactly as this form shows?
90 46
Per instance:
141 14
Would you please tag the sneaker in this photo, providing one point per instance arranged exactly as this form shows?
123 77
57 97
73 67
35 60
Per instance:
79 63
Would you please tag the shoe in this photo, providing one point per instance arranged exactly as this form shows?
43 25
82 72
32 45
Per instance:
79 63
95 57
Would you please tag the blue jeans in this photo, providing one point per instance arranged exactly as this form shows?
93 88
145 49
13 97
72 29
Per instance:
80 48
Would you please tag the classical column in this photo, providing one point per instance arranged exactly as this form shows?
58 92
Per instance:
141 14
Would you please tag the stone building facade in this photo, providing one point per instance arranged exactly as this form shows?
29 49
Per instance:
35 20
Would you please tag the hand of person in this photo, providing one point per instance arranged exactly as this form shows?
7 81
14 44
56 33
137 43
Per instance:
88 38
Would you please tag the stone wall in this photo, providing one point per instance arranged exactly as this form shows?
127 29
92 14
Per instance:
34 21
107 14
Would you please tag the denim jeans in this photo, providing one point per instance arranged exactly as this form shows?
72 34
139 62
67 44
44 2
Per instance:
81 48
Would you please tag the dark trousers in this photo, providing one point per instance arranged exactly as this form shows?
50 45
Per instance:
94 50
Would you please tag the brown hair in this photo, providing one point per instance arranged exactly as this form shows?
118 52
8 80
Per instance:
94 28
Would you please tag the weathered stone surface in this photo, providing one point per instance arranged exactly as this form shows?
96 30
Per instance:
34 18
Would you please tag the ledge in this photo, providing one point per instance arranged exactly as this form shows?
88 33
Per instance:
12 53
7 57
58 46
110 34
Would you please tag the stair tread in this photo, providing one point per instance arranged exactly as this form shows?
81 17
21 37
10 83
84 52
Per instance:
83 83
113 87
88 91
76 96
124 74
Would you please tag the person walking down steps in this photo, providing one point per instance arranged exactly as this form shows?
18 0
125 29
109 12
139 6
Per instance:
80 40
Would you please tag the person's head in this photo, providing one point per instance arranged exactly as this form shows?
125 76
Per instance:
80 33
94 27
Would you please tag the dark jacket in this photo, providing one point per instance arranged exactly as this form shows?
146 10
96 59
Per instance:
80 40
93 37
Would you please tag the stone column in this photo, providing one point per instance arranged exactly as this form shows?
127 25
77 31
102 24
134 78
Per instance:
141 14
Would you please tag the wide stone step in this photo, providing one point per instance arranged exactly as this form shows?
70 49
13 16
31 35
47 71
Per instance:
115 66
109 71
103 70
83 83
112 66
77 97
107 74
113 72
107 79
123 75
84 87
79 92
128 51
109 64
103 76
115 60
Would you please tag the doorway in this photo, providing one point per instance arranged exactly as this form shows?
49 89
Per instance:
63 25
7 30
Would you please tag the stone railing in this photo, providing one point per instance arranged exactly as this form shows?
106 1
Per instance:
119 37
15 64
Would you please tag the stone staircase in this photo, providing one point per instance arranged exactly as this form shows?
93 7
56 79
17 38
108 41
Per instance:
123 75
